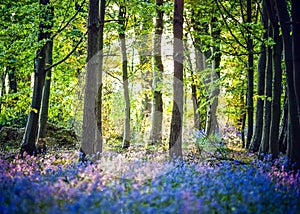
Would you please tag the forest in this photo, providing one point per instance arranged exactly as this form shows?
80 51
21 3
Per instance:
149 106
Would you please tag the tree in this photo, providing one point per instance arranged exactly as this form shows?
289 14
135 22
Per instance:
157 102
100 73
175 141
276 91
91 142
250 76
214 76
41 143
295 145
122 37
28 142
293 134
264 147
261 68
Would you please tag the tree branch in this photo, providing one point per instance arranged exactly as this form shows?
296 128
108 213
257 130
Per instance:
71 19
61 29
113 76
68 55
233 18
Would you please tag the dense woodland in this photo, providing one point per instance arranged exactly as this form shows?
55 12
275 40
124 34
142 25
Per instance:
210 88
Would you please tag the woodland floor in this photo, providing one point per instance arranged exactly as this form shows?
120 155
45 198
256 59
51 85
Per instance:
218 179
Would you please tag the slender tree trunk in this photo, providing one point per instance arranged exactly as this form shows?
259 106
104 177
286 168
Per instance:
293 136
200 66
283 129
126 136
145 60
250 77
211 118
244 117
201 60
98 146
175 141
276 94
89 142
41 143
261 70
264 147
295 150
157 105
2 90
12 79
28 142
194 91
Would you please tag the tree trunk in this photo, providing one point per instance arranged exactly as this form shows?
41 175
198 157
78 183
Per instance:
98 146
41 143
12 79
293 136
200 66
175 141
244 117
295 150
264 147
276 94
250 77
90 132
211 118
157 105
2 90
126 136
28 142
195 101
283 129
261 70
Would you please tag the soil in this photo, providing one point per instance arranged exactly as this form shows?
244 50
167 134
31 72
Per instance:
56 138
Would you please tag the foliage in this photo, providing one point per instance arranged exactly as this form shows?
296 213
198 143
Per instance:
212 144
58 183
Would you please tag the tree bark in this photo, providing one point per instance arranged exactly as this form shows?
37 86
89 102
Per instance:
29 139
276 94
250 85
264 147
89 142
122 17
99 140
295 145
12 79
293 136
175 141
157 102
41 143
211 117
261 69
194 90
283 129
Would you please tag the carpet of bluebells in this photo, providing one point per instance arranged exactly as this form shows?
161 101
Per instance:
58 183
